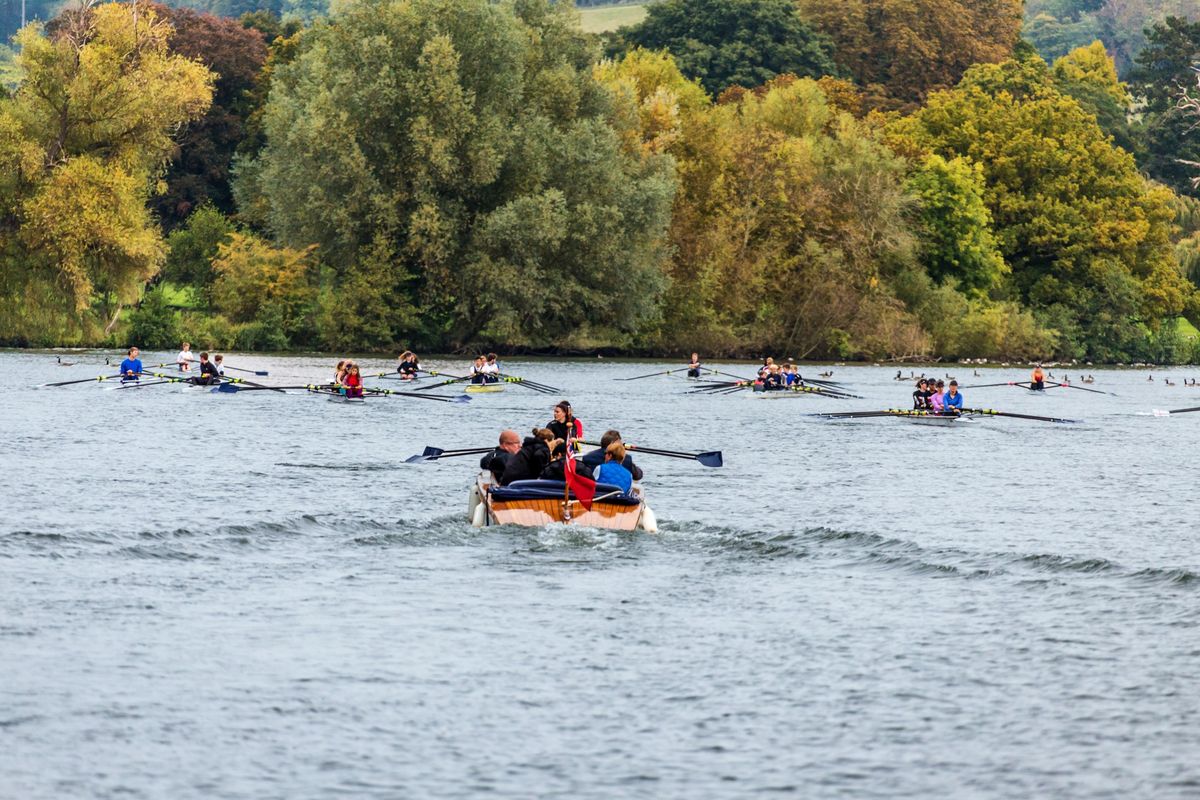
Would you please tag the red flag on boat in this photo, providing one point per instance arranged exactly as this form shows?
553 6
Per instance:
583 487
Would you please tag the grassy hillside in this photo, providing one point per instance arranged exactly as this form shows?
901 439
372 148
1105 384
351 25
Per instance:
609 18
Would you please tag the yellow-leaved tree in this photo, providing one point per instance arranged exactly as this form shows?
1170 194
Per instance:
83 142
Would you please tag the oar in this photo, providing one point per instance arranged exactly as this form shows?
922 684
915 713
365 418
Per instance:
835 393
394 393
142 385
988 412
226 379
539 387
80 380
438 385
990 385
854 414
1159 413
656 374
711 458
248 371
1083 389
434 453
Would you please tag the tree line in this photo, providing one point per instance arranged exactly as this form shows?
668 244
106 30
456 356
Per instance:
867 179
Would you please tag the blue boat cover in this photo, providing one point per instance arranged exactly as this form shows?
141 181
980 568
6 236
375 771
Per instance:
553 490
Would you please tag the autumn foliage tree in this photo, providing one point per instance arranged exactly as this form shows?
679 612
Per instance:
901 50
82 143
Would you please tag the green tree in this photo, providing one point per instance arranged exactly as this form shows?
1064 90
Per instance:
1090 76
723 43
257 282
192 248
1162 72
1087 238
472 139
957 240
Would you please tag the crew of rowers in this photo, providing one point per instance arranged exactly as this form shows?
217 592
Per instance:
935 397
543 454
209 373
347 379
485 369
774 376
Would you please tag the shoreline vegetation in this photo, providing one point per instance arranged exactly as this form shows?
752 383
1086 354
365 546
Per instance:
871 181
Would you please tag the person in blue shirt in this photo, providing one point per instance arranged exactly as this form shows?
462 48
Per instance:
952 401
131 367
594 458
611 471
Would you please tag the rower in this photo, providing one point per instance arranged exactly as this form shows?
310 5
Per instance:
409 365
936 397
477 371
219 362
353 381
952 403
564 425
765 369
184 359
497 459
339 373
1037 381
594 458
921 396
131 367
208 373
491 369
693 370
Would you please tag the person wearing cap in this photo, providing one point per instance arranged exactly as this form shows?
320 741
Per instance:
952 402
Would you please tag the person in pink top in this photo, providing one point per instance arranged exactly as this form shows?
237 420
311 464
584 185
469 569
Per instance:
935 399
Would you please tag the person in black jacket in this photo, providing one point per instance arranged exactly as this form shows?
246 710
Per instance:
498 457
556 470
528 462
595 458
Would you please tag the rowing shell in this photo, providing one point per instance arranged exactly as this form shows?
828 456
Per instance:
937 420
482 388
536 503
344 399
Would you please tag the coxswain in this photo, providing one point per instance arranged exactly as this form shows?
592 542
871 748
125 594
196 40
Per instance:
409 365
611 471
952 402
765 369
693 367
208 373
477 373
772 380
219 362
564 425
185 358
921 396
131 367
353 381
491 369
496 460
1037 381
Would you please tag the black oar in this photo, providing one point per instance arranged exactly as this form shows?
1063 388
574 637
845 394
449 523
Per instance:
1083 389
711 458
226 379
1158 413
434 453
656 374
539 387
80 380
144 384
988 412
854 414
262 372
394 393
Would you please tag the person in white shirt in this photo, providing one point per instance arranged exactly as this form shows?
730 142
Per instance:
184 359
491 370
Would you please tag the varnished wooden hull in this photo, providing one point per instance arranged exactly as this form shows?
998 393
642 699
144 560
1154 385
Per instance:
537 512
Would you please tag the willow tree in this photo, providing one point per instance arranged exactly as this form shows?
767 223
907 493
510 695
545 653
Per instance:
83 141
459 158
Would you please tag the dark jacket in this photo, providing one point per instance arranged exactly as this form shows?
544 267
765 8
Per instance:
556 470
560 429
594 458
527 463
495 462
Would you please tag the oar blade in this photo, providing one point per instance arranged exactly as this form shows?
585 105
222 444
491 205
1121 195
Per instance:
226 388
432 451
711 459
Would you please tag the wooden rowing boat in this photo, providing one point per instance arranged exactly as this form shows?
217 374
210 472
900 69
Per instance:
482 388
536 503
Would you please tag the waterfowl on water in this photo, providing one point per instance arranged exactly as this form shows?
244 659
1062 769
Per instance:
1168 381
827 374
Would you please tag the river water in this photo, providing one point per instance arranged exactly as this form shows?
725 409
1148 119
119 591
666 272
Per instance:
254 596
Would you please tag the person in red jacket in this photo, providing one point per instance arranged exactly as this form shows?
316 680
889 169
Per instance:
353 382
